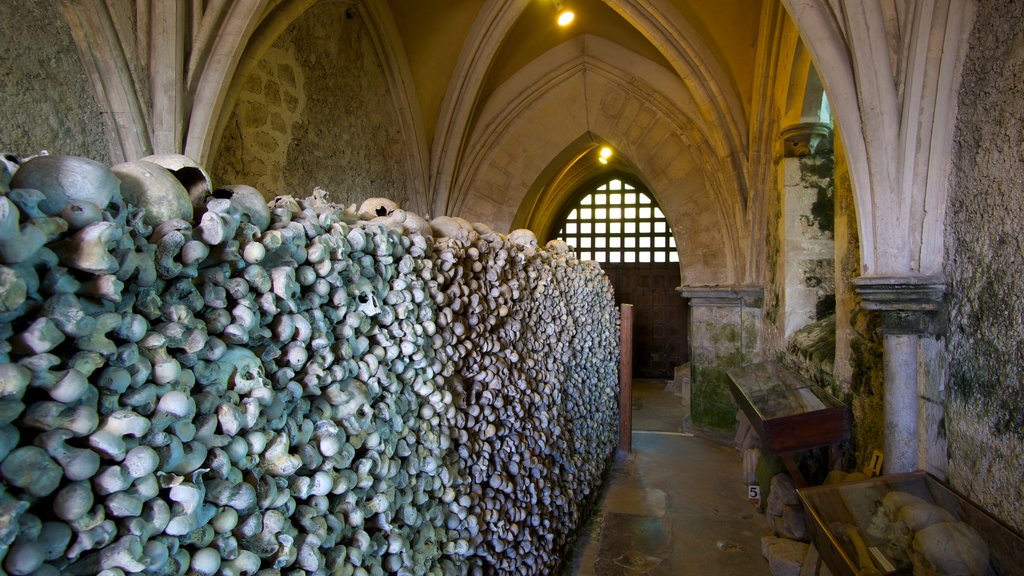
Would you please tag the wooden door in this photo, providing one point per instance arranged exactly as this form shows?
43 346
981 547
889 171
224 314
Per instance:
660 316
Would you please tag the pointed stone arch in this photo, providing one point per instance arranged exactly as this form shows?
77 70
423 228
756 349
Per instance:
650 124
703 79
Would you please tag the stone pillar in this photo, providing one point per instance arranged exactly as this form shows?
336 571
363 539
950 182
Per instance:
724 323
913 398
808 223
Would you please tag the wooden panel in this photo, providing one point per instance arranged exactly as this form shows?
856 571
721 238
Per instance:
660 315
626 378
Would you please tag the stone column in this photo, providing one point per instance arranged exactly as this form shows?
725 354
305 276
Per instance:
808 224
724 322
911 323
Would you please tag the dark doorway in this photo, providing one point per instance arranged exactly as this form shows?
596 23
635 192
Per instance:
660 316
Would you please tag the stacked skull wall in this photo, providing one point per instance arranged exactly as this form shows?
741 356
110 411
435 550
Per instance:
197 382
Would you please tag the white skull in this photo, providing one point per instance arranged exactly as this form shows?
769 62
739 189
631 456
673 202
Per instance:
374 207
368 303
452 227
558 247
525 239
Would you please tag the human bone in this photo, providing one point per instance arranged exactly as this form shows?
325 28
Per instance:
19 239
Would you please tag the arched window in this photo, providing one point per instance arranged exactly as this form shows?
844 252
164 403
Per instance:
618 221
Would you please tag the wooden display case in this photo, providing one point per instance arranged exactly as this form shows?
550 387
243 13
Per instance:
839 515
789 413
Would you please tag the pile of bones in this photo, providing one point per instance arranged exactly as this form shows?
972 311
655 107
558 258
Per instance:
194 381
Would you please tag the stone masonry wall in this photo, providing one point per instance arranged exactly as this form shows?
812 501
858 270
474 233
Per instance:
723 335
316 112
857 370
255 144
809 246
48 100
985 268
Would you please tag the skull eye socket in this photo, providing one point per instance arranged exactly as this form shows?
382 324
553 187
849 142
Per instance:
381 211
363 298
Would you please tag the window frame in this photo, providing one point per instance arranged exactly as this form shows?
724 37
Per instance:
602 199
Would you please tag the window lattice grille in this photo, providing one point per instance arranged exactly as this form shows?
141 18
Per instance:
619 223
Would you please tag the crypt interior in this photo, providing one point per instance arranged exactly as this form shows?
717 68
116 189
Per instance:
838 185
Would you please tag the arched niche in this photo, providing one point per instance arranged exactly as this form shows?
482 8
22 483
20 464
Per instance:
250 30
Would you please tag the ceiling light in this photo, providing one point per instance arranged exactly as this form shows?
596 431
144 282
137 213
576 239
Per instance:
565 16
605 153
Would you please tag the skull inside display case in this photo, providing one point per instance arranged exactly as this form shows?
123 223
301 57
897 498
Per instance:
907 524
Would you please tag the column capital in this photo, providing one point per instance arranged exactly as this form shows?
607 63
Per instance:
806 138
910 304
723 296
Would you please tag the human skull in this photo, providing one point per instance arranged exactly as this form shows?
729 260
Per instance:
949 548
452 227
374 207
368 303
239 369
557 247
525 239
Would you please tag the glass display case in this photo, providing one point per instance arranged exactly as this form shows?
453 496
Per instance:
907 524
789 412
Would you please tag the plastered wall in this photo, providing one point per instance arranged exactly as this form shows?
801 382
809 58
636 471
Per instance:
316 112
47 99
985 251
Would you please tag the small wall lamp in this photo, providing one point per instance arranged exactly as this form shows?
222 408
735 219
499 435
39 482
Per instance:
604 154
565 15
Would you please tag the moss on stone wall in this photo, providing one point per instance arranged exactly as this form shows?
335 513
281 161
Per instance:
773 251
847 247
866 385
816 343
985 268
817 172
711 402
719 347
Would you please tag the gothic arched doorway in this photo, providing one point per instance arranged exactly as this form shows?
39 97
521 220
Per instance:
617 222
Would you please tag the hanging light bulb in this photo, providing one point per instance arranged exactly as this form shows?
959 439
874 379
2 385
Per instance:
565 16
604 154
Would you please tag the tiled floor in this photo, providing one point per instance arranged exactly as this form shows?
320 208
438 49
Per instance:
676 506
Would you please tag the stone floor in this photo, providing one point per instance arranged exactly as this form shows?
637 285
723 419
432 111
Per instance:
675 506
